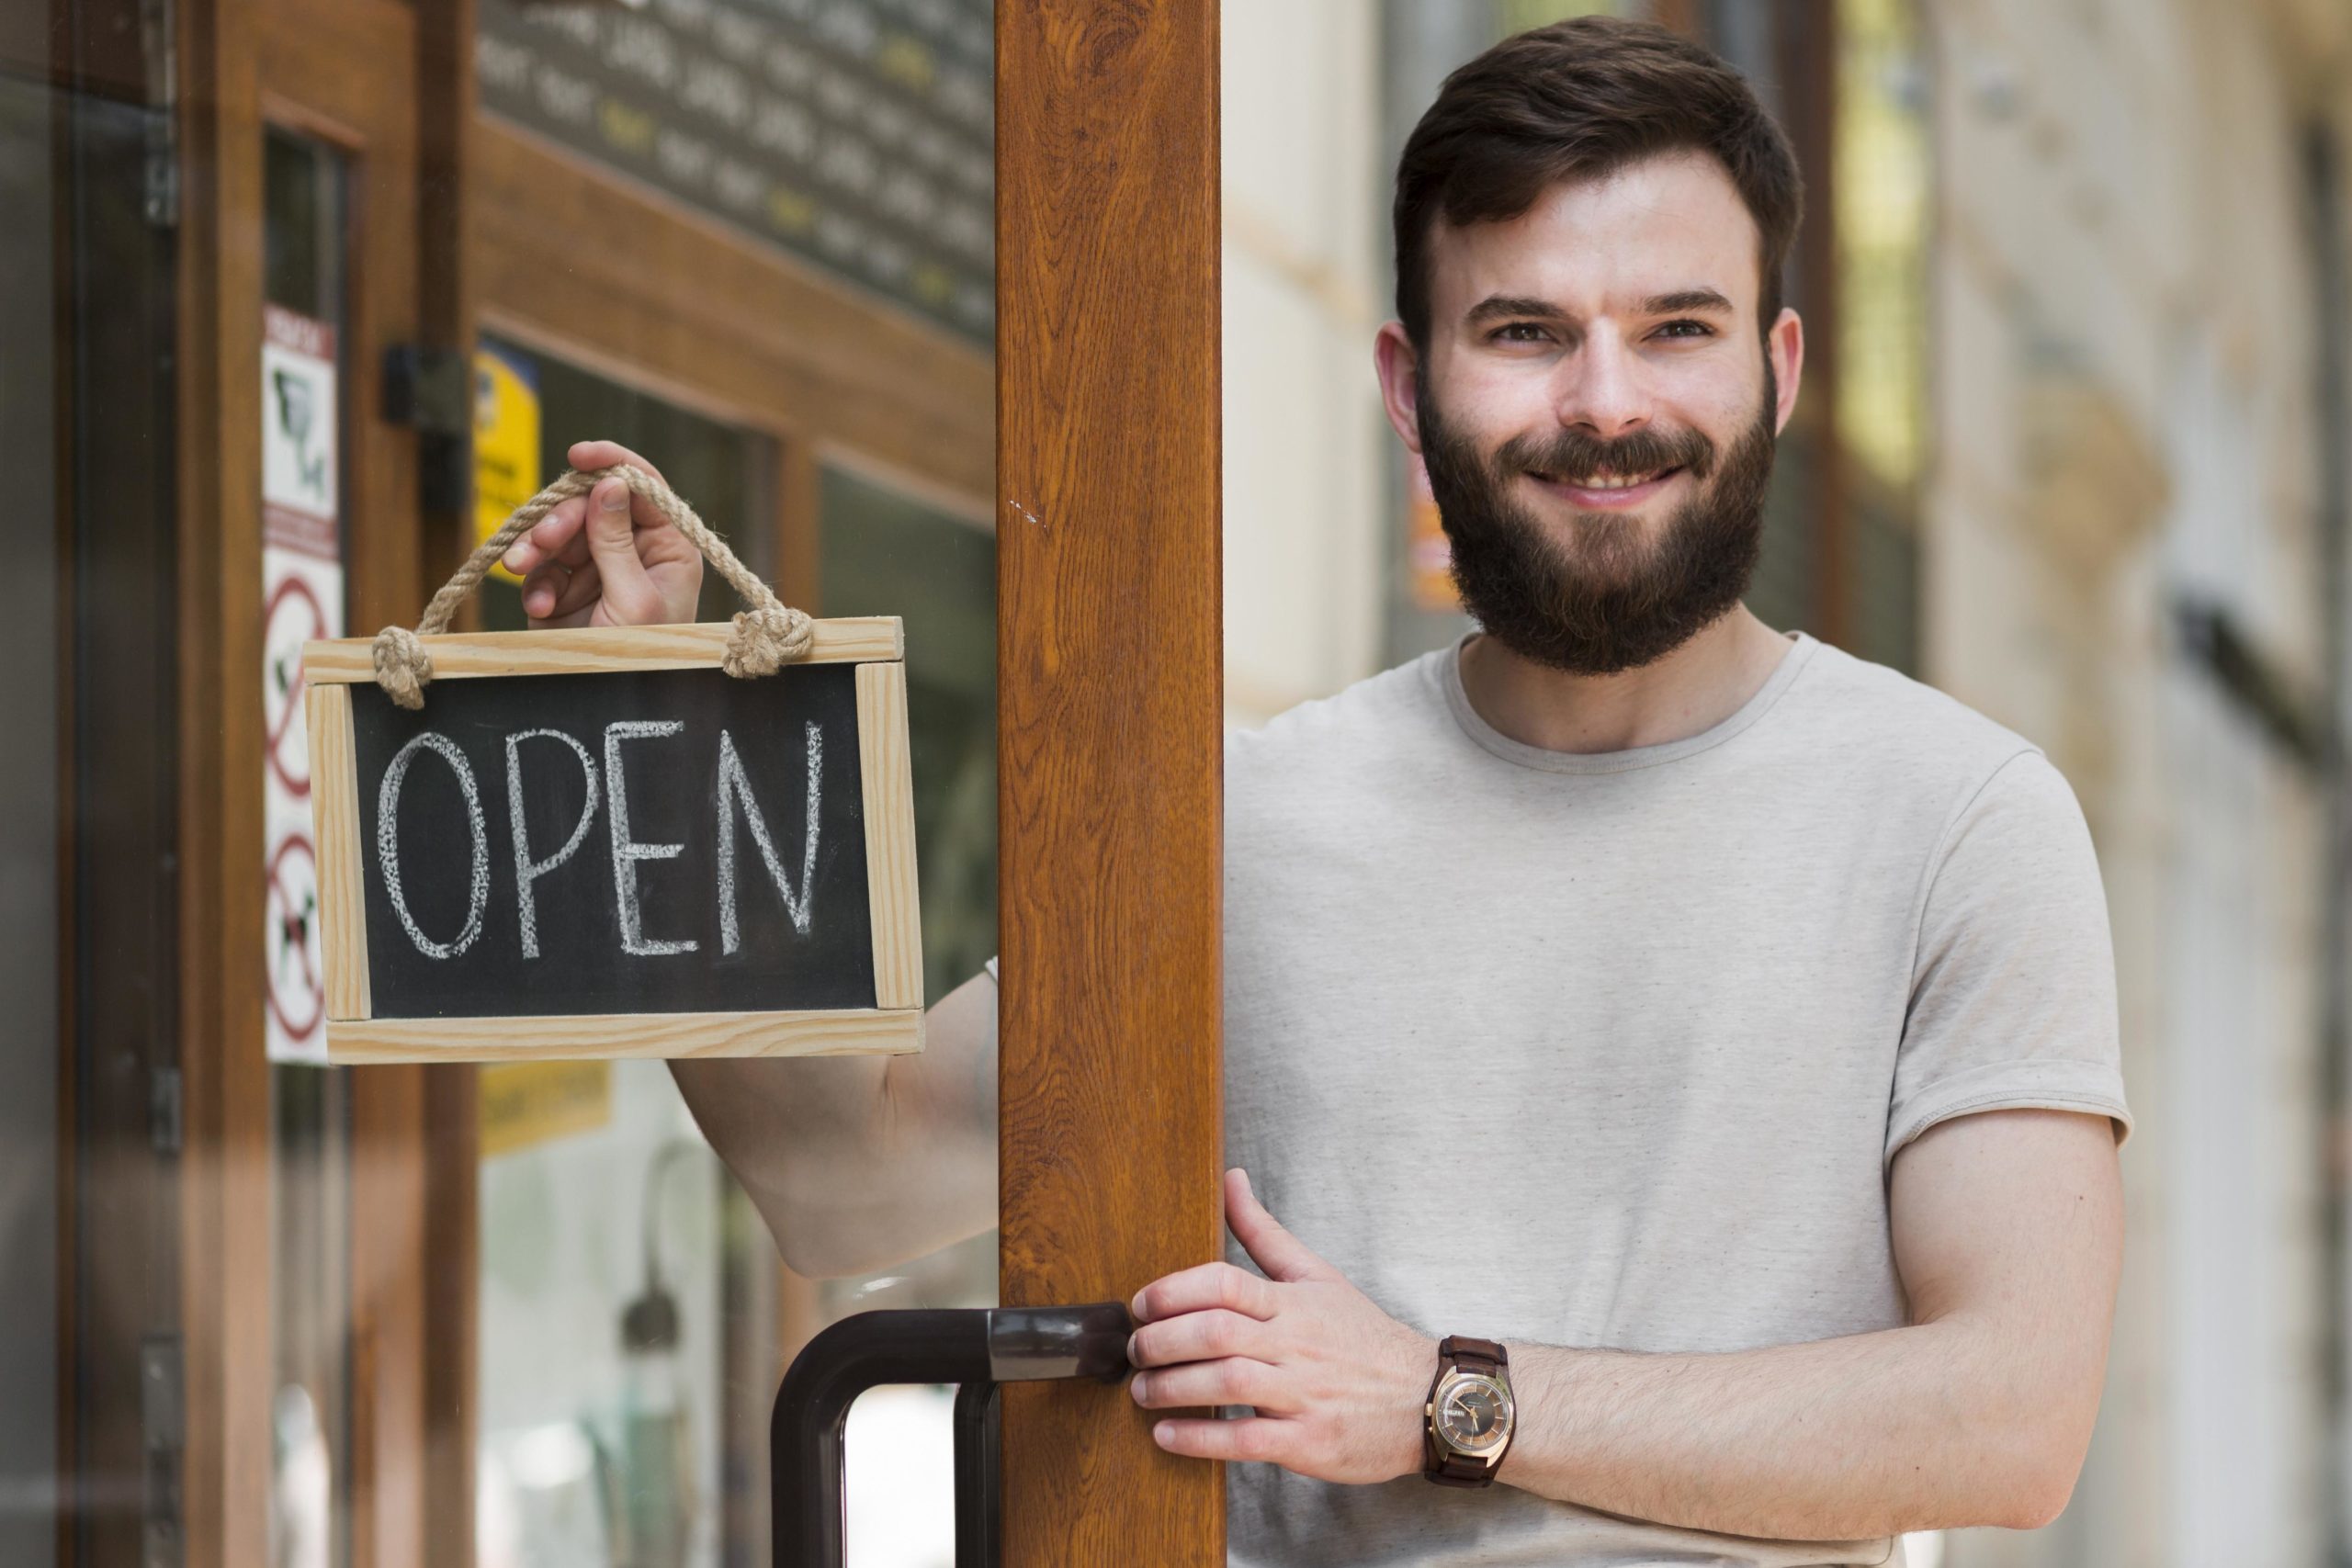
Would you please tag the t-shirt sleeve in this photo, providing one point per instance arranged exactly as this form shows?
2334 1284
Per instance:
2013 989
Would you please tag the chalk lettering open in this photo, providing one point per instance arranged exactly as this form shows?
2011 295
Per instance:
735 805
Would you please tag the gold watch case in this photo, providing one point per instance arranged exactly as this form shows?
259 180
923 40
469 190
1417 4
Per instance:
1472 1413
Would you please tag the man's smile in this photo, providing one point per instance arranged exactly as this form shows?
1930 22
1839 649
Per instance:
1606 491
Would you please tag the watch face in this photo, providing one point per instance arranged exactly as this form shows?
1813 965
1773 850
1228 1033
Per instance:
1474 1414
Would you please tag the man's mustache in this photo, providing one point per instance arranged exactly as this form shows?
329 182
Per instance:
1572 454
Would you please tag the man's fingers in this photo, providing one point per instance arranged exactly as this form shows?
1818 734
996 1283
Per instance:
1197 1337
556 537
556 594
1282 1255
580 593
1202 1287
542 587
561 526
631 597
1236 1379
590 455
1255 1439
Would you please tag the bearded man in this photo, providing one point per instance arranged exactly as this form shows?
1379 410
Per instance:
1683 1056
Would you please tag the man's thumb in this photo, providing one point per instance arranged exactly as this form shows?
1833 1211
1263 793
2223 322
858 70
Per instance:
629 594
1282 1255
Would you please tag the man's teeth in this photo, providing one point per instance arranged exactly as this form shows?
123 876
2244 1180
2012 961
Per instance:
1614 481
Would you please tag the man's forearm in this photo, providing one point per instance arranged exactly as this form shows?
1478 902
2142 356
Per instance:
1941 1425
859 1162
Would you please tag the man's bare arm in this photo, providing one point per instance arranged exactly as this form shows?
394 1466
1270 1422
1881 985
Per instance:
860 1162
2007 1230
856 1163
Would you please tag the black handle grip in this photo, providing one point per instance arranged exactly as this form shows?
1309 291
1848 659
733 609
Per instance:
974 1348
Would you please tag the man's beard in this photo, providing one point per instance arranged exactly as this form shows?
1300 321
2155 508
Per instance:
1604 600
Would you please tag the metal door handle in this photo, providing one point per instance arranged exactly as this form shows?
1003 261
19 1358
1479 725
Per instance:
976 1349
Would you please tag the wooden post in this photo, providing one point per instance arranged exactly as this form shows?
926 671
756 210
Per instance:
1110 677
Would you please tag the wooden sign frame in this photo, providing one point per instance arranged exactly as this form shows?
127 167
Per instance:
875 645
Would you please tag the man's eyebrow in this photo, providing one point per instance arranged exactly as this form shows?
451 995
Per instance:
1496 307
1685 300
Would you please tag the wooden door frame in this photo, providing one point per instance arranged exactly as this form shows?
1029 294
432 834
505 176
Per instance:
228 101
1110 677
225 1193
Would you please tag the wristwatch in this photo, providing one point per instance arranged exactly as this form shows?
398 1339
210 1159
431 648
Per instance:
1467 1422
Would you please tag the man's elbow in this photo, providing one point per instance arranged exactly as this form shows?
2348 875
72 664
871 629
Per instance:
2037 1499
816 1241
2038 1461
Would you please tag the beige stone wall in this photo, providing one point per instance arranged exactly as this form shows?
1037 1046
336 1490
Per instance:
2124 358
1305 284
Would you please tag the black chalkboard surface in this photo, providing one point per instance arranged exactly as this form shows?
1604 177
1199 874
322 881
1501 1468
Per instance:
668 861
615 853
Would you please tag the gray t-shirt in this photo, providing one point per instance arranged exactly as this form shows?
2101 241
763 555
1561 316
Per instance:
1615 1050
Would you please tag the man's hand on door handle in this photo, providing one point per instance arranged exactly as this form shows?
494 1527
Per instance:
1337 1384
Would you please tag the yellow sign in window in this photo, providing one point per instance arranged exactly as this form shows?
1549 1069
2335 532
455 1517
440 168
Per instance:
525 1103
507 441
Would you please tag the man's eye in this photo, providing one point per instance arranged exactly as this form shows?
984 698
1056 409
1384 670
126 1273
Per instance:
1520 332
1686 329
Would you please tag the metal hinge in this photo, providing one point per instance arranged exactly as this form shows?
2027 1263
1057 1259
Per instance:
431 391
2257 684
163 1111
159 44
162 1426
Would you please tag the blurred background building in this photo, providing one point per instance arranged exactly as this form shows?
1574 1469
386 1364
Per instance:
2072 446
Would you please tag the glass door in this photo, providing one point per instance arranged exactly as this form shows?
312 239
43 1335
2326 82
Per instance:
752 244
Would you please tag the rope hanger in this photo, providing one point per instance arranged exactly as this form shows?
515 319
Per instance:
767 636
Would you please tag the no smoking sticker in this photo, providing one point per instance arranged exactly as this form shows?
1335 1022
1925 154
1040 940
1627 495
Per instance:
301 601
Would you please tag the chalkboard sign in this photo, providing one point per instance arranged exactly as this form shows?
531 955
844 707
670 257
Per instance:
597 842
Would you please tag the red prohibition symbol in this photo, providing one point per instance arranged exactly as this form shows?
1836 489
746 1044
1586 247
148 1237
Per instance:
293 918
287 760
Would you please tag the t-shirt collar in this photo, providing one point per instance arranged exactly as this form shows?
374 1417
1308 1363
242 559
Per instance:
1446 668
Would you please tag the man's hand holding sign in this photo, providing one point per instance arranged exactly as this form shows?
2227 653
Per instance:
606 558
613 834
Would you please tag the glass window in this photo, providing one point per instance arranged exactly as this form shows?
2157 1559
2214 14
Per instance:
886 553
32 1137
303 437
252 310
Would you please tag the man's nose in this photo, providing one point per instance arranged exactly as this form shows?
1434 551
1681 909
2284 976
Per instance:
1601 389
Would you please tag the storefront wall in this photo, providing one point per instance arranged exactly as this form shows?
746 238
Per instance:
306 1315
2130 562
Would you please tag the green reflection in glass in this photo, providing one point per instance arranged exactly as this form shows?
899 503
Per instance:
886 553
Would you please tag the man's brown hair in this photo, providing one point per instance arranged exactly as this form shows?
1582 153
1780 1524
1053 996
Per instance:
1580 100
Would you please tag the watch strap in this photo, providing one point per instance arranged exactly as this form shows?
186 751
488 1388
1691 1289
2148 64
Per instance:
1473 1355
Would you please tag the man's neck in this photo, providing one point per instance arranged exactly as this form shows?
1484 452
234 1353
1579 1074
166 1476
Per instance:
1687 693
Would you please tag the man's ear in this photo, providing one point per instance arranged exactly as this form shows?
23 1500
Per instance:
1784 346
1394 359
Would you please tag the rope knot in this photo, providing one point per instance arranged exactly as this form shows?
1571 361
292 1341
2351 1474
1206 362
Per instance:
402 667
767 640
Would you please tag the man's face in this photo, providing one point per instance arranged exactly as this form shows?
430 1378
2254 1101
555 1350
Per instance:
1598 413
